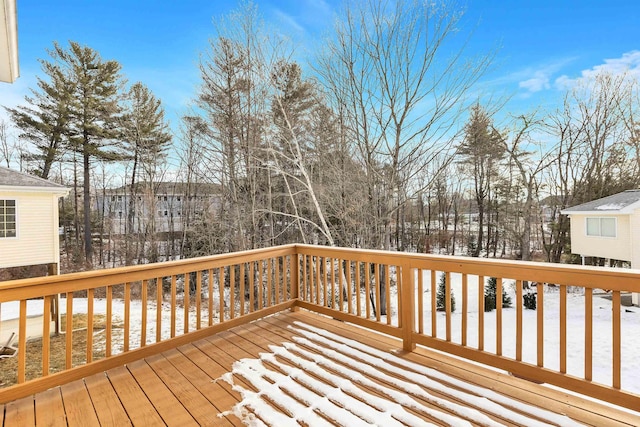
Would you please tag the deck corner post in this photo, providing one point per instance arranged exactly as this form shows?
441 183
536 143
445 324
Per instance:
295 282
407 311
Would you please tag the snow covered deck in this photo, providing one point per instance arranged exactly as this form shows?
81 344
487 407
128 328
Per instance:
299 368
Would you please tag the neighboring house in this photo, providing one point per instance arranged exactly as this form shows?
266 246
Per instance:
160 207
29 220
9 71
608 228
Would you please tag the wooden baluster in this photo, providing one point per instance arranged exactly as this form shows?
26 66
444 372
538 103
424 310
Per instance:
159 291
400 298
174 305
277 280
367 288
127 314
232 292
387 290
260 286
378 292
294 278
252 272
481 313
617 340
420 302
333 284
447 304
434 330
46 335
357 289
143 322
519 302
109 292
221 280
563 329
186 300
349 289
499 316
588 334
269 281
325 283
199 300
242 293
22 343
210 297
540 323
341 284
89 356
317 280
465 309
305 278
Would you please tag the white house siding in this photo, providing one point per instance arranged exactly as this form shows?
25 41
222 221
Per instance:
38 240
604 247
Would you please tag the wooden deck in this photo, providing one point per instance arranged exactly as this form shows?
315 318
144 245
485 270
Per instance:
303 365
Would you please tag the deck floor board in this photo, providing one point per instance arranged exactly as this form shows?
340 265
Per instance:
78 406
218 379
50 409
108 407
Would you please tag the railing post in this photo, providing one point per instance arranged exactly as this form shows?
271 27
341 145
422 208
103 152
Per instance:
295 285
407 312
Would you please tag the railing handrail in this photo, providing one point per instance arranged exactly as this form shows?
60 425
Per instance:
626 279
33 288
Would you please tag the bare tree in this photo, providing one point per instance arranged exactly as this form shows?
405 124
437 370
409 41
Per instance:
588 156
400 92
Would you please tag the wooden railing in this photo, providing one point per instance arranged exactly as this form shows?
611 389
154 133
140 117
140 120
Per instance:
112 316
413 312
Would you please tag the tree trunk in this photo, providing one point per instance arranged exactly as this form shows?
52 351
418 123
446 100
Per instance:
88 247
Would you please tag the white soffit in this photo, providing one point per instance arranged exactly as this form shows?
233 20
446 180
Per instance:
8 41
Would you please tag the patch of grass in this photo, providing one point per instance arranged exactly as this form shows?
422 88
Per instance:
57 350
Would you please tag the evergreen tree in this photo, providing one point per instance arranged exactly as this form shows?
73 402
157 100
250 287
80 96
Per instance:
481 151
44 118
441 295
490 291
92 115
146 138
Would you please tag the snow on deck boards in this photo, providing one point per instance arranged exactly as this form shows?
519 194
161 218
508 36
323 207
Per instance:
304 369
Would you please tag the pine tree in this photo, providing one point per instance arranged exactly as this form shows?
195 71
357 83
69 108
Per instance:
44 117
490 291
441 294
93 115
481 151
146 139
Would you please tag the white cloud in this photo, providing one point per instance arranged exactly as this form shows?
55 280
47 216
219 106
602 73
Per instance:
628 63
538 79
539 82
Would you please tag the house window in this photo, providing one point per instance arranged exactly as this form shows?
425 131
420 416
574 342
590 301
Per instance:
8 218
601 227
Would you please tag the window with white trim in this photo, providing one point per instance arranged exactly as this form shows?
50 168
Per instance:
601 227
8 218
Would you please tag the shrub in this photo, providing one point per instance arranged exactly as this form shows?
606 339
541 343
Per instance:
530 300
490 290
440 295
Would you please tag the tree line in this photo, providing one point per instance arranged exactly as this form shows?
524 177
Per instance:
376 143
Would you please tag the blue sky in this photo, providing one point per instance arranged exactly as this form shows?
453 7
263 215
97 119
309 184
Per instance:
542 45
